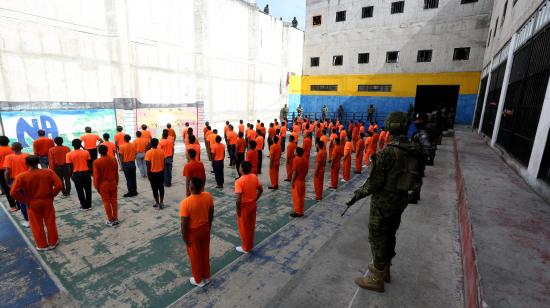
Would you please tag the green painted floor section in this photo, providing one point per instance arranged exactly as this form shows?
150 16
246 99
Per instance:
142 262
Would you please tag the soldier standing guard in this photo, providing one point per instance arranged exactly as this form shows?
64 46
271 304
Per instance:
393 172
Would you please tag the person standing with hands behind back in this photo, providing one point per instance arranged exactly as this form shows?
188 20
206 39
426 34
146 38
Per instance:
196 216
154 158
248 190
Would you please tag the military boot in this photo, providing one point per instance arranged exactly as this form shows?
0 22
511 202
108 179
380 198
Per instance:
374 280
387 276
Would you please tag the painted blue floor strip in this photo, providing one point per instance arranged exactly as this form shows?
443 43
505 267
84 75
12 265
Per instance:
23 282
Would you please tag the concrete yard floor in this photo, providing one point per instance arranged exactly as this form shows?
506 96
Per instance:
142 262
312 262
510 225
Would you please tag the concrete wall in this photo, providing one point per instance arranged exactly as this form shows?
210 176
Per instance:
449 26
223 52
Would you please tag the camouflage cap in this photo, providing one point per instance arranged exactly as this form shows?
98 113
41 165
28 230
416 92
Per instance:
397 123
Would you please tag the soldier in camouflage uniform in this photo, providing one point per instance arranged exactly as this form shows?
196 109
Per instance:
389 199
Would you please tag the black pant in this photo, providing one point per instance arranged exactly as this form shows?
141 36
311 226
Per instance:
232 149
283 143
129 169
217 165
83 185
157 183
64 174
93 157
269 143
240 159
260 161
6 188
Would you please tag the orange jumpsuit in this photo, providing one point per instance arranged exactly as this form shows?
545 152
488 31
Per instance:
300 166
197 209
382 140
319 179
307 144
106 183
275 156
375 139
247 185
335 165
368 150
354 136
332 144
252 157
346 168
37 188
290 149
360 150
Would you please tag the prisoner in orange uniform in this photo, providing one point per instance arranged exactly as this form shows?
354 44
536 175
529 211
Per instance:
368 148
252 156
346 167
359 152
248 190
37 188
274 163
196 216
290 154
106 184
193 169
335 157
307 145
300 168
319 173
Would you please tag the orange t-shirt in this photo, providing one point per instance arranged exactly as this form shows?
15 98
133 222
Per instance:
197 209
275 154
197 149
252 157
156 157
58 156
128 150
146 134
251 134
111 148
241 144
348 147
247 185
271 132
307 144
105 169
167 146
79 158
232 137
194 169
141 144
212 139
36 185
283 131
172 133
321 159
241 128
301 167
4 151
16 163
42 145
336 154
119 138
90 141
218 150
290 149
325 141
259 143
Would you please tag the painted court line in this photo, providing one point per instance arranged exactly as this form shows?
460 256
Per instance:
35 252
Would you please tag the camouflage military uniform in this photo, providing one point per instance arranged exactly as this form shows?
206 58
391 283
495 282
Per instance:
386 206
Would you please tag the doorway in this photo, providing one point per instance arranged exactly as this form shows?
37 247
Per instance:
432 98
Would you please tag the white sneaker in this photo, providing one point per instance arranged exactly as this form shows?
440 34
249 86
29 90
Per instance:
53 246
42 249
108 223
240 249
343 181
206 281
25 224
193 282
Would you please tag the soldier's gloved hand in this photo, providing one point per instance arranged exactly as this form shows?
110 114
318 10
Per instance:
352 201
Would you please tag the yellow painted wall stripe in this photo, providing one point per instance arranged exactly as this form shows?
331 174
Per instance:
403 85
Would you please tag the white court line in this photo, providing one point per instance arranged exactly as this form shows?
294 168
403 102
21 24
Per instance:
356 292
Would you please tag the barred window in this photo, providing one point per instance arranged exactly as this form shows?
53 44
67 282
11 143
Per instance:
367 12
374 88
340 16
392 57
316 20
318 87
337 60
314 61
461 54
424 56
363 58
431 4
397 7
